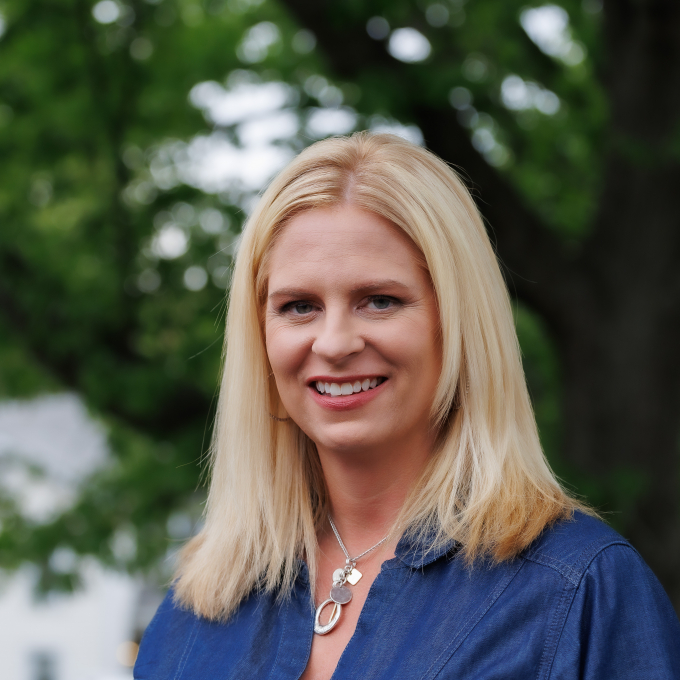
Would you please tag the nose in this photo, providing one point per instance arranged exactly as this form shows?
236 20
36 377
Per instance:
338 337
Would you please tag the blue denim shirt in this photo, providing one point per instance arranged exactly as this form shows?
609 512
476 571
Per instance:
579 603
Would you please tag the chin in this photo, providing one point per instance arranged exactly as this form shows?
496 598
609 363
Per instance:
350 437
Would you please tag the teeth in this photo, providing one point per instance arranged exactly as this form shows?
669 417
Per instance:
345 389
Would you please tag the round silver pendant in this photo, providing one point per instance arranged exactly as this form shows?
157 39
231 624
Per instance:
341 594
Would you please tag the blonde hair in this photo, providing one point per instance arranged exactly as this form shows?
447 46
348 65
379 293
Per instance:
487 485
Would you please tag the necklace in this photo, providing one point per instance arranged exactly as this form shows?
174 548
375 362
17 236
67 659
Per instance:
340 593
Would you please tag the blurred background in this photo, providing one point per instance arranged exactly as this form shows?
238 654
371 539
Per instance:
135 137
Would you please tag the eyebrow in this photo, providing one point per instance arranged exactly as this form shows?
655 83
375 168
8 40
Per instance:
366 288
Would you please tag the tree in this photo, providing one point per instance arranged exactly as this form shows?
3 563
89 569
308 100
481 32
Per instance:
569 139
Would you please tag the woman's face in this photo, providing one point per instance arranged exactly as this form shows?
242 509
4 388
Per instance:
352 330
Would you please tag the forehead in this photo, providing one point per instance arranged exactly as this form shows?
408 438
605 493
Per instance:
342 239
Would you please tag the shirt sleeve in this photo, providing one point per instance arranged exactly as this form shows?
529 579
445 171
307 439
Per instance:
620 626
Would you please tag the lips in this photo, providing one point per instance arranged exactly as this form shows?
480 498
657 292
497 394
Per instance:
341 394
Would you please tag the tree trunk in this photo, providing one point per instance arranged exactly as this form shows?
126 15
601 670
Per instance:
622 354
621 405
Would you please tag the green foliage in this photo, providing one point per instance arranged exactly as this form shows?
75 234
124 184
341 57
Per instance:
542 370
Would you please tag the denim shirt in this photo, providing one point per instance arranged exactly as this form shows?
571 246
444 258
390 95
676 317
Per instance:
578 603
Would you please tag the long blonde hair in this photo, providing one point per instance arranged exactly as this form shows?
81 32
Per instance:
487 484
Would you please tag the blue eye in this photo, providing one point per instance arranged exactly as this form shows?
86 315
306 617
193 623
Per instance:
380 302
302 307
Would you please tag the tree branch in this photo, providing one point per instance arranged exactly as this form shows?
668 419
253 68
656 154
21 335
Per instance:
538 270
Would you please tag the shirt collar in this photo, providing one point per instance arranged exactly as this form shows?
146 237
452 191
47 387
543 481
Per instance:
417 553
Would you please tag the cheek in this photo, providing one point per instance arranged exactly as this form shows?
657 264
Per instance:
285 349
415 343
432 349
432 341
421 352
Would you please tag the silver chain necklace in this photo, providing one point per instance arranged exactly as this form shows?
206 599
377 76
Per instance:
340 593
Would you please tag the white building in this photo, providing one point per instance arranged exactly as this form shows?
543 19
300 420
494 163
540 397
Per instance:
88 635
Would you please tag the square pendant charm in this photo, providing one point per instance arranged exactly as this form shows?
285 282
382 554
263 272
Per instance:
354 576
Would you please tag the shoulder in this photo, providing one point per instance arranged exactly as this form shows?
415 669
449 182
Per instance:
596 564
165 637
570 546
615 618
178 643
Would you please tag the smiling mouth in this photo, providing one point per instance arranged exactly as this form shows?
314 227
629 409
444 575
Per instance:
345 389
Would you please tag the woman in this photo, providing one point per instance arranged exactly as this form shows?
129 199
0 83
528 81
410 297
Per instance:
380 506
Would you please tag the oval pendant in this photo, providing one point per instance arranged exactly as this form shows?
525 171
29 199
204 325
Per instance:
341 594
322 630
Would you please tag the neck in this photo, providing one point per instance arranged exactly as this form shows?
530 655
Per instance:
367 489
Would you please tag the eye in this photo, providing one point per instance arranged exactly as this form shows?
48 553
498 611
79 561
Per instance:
381 302
299 308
